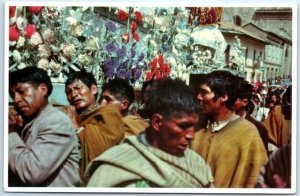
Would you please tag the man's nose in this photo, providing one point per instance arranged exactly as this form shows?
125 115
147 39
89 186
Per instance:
17 98
199 97
190 135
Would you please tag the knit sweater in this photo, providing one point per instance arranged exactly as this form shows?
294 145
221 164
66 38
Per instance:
131 162
235 153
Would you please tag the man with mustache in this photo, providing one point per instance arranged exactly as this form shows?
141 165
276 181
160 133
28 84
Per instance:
159 156
43 146
98 127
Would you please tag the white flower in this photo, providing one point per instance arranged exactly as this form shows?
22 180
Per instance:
43 64
36 39
48 36
68 50
72 21
20 23
76 30
55 67
153 43
92 44
171 61
21 42
84 59
44 51
16 56
22 66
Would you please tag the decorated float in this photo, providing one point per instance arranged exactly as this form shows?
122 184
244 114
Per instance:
136 43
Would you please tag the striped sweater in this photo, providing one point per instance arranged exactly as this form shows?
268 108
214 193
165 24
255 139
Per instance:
133 164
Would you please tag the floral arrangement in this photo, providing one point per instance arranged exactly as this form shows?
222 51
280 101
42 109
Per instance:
135 43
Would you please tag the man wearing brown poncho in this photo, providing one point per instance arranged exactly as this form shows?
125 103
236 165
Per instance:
230 145
98 127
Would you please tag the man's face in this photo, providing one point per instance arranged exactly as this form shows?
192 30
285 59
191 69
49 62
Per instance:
206 98
175 134
239 105
108 98
80 95
28 100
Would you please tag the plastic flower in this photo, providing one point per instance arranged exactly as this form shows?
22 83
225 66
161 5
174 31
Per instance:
91 44
125 38
14 34
17 56
121 73
111 47
20 23
44 51
133 27
76 30
122 15
55 67
111 26
20 42
128 74
121 52
84 59
136 37
29 31
137 74
36 39
12 11
35 9
48 36
43 64
68 50
138 16
132 52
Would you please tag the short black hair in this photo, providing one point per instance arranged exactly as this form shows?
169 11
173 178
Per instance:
120 88
33 75
170 97
222 83
87 78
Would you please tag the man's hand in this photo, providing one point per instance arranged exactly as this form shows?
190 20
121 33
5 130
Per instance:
15 120
71 112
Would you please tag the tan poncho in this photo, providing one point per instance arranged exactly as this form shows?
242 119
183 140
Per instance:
131 162
103 128
235 153
279 127
134 125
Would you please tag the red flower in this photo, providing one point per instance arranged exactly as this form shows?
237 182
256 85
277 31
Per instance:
14 34
138 16
133 27
29 31
12 11
136 37
122 15
125 38
159 68
35 9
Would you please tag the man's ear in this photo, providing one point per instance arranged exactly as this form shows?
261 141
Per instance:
124 105
156 121
94 89
43 88
245 102
224 98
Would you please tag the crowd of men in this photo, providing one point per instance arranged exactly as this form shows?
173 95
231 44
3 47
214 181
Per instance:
203 136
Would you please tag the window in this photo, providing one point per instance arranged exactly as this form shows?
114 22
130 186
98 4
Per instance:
237 20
